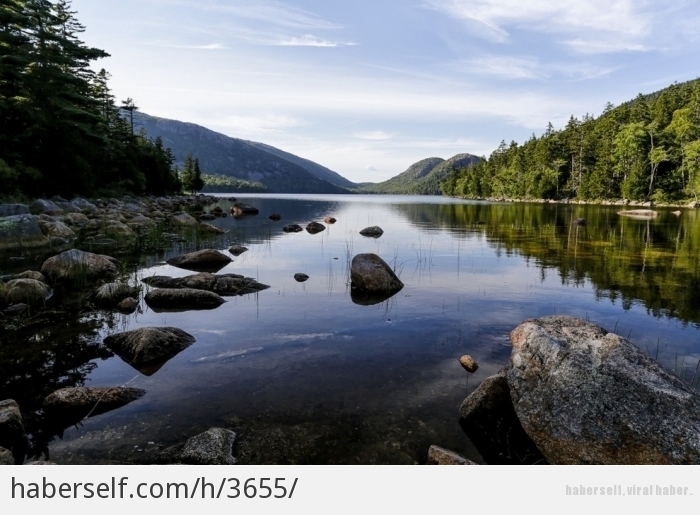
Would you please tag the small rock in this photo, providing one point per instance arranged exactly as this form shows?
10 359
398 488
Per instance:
468 363
183 220
330 220
292 228
111 294
127 305
439 456
146 349
206 228
677 213
315 228
275 217
6 457
372 232
207 260
300 278
241 209
182 299
213 447
237 250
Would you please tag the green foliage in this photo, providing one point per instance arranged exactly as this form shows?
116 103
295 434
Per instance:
62 132
648 148
226 184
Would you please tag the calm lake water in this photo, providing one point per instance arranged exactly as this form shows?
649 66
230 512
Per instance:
305 375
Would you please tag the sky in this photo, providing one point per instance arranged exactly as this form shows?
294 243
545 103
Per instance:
367 88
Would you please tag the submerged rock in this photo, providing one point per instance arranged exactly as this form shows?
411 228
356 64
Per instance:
275 217
224 284
639 213
207 260
292 228
439 456
585 395
182 299
213 447
372 232
148 348
80 402
371 275
315 228
75 266
27 291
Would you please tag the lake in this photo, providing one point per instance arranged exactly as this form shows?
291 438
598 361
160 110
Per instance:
305 375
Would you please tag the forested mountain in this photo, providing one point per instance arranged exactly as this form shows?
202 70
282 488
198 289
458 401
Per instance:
61 130
219 154
645 149
423 177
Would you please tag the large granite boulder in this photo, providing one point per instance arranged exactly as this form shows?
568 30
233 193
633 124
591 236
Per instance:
13 209
182 299
80 402
369 274
585 395
27 291
183 220
224 284
21 232
148 348
213 447
207 260
75 266
45 207
57 230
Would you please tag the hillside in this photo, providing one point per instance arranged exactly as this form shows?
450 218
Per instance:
423 177
219 154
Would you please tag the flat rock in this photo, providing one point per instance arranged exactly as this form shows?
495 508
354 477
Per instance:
76 266
207 260
182 299
213 447
315 228
439 456
372 232
369 273
80 402
225 284
292 228
585 395
148 348
11 425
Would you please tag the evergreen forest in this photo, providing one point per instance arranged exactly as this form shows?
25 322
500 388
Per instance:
645 149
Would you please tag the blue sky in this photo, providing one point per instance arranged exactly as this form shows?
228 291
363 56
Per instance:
367 88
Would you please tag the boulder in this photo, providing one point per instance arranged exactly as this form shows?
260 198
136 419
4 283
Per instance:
372 232
488 418
300 278
57 230
84 205
127 305
75 219
213 447
237 250
42 206
207 260
439 456
275 217
330 220
29 274
292 228
206 228
182 299
241 209
13 209
11 425
183 220
585 395
110 294
80 402
468 363
75 266
148 348
21 232
225 284
6 457
315 228
369 273
27 291
118 230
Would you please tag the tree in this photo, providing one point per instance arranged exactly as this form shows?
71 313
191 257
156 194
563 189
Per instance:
197 183
188 174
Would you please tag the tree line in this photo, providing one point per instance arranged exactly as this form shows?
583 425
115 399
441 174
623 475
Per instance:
62 131
645 149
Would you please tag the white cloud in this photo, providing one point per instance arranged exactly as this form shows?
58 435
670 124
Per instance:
371 168
614 25
513 67
309 40
244 126
373 135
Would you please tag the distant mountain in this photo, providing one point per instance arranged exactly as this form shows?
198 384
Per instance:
423 177
219 154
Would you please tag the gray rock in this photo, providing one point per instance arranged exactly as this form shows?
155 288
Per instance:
27 291
80 402
439 456
29 274
488 418
6 457
206 228
11 425
57 230
207 260
13 209
183 220
315 228
585 395
21 232
292 228
237 250
275 217
224 284
181 299
369 273
146 349
241 209
127 306
42 206
84 205
111 294
372 232
300 278
75 266
213 447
